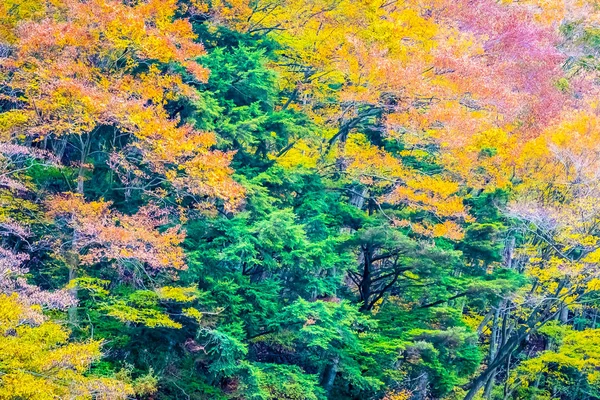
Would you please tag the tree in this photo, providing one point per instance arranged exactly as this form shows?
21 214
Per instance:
559 215
95 77
288 199
568 369
38 362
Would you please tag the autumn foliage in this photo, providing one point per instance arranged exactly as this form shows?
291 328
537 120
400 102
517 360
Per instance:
299 199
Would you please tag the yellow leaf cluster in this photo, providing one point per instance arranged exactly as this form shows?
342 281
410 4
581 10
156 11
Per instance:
38 361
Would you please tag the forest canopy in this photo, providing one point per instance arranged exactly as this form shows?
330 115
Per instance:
299 199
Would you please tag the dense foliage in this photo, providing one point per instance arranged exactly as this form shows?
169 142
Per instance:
299 199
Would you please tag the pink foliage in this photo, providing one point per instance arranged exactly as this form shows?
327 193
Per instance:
521 62
12 280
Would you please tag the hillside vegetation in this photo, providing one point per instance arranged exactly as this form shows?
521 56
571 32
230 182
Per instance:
299 199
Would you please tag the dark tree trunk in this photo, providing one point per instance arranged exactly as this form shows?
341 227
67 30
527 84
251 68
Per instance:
365 283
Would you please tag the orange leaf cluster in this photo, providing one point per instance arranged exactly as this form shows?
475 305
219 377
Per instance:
104 235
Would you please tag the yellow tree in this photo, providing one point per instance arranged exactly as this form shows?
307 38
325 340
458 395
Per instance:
37 361
570 365
557 210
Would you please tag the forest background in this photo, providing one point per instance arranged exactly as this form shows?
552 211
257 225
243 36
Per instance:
299 199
